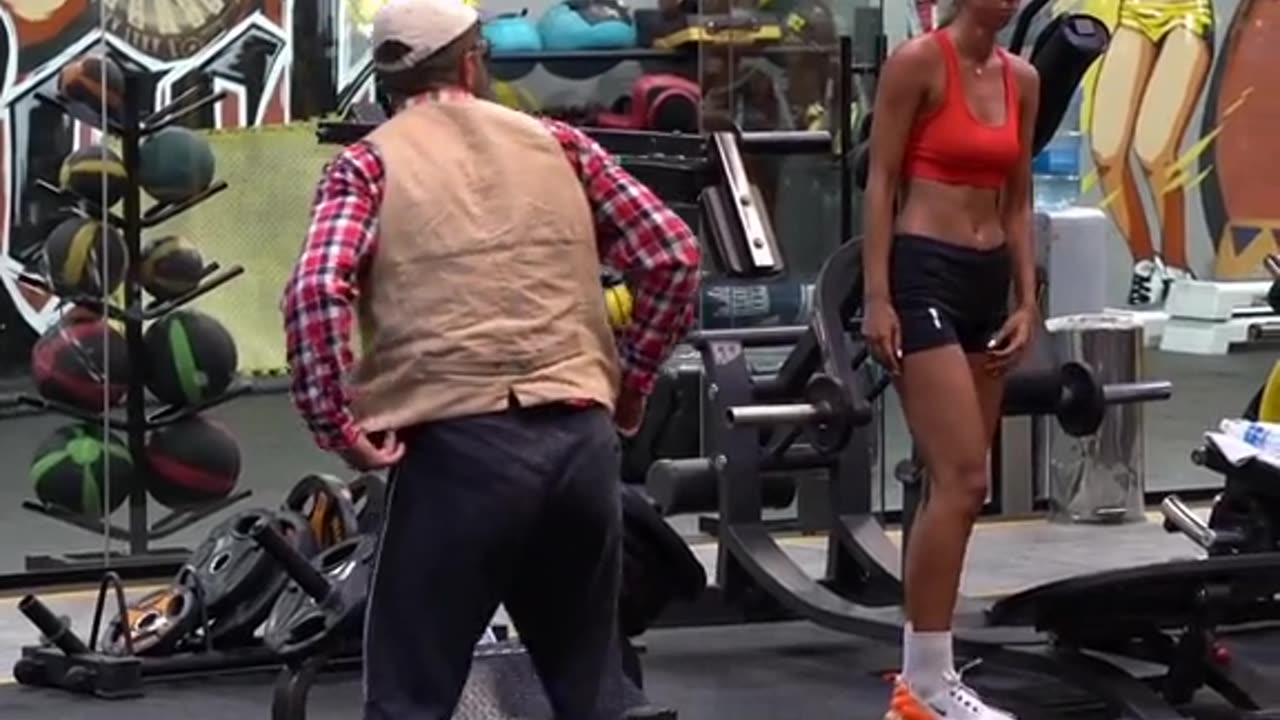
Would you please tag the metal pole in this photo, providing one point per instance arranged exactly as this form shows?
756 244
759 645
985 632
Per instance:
136 406
844 97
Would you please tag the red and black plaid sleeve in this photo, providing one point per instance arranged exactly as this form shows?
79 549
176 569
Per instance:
642 238
320 293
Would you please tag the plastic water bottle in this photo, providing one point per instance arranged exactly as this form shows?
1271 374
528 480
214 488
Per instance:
1056 172
1264 436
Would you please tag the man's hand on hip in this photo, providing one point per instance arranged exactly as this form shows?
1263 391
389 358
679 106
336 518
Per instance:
628 413
381 450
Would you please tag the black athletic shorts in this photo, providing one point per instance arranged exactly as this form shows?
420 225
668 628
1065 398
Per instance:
946 293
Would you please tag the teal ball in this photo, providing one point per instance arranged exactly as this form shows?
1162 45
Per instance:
175 165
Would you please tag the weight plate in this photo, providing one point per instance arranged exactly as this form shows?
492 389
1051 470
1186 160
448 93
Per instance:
236 625
298 625
329 507
1086 405
229 565
156 623
831 432
369 492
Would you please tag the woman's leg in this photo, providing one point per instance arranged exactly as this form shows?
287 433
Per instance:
944 412
990 396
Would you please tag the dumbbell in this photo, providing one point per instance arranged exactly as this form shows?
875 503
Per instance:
1073 394
325 601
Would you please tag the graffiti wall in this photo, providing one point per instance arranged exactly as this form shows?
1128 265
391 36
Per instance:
277 61
1179 125
1178 140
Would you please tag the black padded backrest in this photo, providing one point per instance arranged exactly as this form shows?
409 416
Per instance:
1063 52
837 296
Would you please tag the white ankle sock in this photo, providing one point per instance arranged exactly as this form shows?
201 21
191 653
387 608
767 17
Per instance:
926 661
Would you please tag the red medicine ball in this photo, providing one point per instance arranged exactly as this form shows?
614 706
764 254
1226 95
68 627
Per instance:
81 362
193 462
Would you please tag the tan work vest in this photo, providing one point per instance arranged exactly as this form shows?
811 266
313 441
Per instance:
485 283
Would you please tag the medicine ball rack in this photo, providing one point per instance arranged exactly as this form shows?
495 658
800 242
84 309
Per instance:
132 127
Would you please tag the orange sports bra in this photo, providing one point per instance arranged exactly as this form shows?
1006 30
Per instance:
952 146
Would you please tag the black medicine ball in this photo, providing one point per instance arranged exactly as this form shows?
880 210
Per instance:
74 253
90 171
81 363
170 266
76 467
176 165
193 461
190 358
92 80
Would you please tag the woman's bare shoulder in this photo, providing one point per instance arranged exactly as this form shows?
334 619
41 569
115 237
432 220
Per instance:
1027 75
915 57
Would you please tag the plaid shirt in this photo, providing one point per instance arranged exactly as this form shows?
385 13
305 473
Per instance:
636 232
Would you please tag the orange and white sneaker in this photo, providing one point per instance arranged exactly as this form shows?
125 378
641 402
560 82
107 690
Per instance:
957 702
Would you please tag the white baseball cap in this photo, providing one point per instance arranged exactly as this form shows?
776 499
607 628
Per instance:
425 26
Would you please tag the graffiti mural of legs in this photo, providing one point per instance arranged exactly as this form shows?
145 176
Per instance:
1177 80
1122 79
1149 84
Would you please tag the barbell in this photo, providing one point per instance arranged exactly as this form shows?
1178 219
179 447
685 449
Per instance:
827 414
1070 392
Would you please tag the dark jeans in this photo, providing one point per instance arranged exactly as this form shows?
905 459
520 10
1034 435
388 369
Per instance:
519 508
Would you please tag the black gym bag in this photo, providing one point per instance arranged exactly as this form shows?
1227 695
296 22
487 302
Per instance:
657 565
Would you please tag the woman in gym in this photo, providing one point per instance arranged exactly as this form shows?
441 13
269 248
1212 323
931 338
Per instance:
948 231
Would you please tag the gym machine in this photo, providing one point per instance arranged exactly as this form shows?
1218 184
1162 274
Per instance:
1166 613
1084 631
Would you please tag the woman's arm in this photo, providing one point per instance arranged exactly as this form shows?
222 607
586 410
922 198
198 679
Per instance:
1017 196
903 81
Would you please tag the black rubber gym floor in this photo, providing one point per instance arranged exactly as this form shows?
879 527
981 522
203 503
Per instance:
791 671
745 673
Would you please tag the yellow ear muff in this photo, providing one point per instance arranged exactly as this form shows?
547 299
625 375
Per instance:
618 304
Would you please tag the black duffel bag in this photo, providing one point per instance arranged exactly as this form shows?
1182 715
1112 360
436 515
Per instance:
657 565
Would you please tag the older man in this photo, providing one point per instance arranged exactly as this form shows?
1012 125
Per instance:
467 240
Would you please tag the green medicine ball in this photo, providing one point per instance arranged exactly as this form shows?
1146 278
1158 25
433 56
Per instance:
175 165
74 253
73 468
170 266
92 170
190 358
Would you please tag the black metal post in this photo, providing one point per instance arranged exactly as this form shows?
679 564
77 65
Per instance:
844 97
136 407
